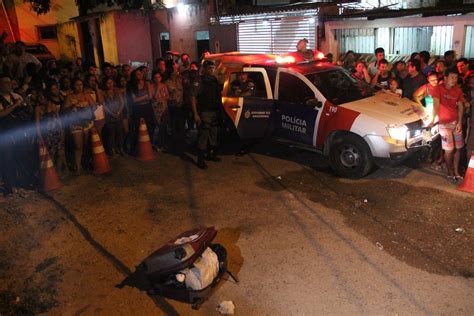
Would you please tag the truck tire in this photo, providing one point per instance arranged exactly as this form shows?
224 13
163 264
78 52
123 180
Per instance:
350 156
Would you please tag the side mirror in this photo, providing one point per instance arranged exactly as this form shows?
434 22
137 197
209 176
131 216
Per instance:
314 103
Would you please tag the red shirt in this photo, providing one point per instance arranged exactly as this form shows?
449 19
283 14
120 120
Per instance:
448 110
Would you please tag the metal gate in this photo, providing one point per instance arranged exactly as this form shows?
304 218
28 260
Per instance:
275 36
435 39
397 40
357 40
469 43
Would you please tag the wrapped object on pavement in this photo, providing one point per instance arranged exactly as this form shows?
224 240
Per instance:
186 269
203 272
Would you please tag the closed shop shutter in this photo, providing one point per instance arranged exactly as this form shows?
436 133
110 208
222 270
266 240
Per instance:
275 36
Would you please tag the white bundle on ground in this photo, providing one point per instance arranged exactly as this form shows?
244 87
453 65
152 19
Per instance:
226 308
205 270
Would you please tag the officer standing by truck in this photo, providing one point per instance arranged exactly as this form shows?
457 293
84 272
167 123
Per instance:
206 104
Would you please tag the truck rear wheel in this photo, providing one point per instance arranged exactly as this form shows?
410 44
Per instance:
350 156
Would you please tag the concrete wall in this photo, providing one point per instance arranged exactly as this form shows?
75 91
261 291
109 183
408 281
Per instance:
158 23
68 41
459 25
61 11
132 31
184 24
223 38
108 35
8 20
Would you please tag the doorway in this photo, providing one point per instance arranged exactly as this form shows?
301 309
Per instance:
164 43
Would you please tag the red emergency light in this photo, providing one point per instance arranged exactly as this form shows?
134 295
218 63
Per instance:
285 59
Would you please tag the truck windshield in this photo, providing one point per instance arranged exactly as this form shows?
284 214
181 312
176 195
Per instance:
339 87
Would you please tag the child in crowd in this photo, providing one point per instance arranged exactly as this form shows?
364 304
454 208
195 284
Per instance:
393 87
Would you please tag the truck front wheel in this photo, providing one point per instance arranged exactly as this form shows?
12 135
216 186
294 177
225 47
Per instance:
350 156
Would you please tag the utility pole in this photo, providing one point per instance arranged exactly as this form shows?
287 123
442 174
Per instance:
8 20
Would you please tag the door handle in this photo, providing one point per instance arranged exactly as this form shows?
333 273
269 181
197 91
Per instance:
234 107
277 110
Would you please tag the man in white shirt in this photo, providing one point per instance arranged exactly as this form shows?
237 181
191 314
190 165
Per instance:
373 66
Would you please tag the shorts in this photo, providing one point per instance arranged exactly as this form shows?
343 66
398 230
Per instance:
450 139
80 128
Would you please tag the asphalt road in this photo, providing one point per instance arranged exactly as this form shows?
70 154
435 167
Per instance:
301 241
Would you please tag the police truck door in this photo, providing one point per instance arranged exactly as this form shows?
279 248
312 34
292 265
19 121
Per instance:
297 107
249 102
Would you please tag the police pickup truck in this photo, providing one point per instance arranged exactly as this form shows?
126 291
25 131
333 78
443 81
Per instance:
320 107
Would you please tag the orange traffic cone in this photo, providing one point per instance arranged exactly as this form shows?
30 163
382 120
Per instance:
145 152
99 159
468 184
49 177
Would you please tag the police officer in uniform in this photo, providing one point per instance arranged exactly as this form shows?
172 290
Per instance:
302 50
242 86
206 105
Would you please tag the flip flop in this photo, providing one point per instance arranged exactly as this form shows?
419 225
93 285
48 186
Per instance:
436 167
451 179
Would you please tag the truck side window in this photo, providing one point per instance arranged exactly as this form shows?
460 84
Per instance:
247 84
293 90
338 87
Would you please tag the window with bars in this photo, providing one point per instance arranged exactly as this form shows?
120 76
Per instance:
47 32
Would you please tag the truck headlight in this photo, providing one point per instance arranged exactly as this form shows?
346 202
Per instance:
397 132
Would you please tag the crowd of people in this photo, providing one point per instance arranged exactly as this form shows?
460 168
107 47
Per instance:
444 88
58 104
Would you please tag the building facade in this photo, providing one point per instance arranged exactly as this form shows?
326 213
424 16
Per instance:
194 26
22 23
401 27
402 35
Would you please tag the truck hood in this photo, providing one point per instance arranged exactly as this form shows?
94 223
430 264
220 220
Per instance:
386 108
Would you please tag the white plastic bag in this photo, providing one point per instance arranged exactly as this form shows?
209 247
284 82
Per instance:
99 112
205 270
226 308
